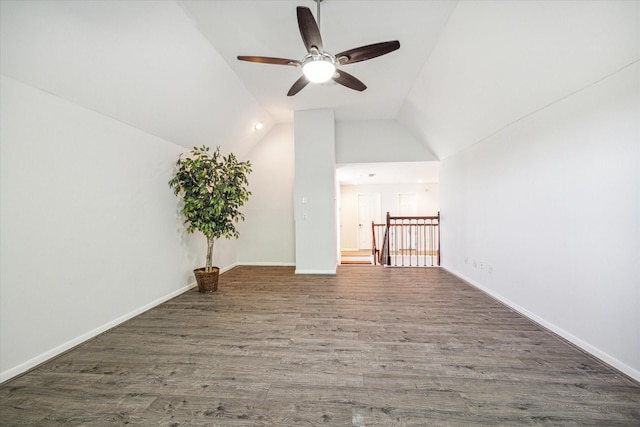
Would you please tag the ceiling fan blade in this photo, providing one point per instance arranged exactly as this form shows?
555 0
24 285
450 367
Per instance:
367 52
298 86
268 60
346 79
309 29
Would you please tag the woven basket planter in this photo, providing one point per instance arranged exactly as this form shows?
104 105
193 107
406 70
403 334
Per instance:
207 282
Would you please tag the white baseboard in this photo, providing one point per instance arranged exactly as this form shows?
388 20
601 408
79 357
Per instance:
228 267
595 352
329 272
32 363
268 264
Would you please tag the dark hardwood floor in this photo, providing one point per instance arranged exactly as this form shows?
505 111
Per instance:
370 346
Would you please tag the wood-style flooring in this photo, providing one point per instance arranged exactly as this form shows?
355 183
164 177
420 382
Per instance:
370 346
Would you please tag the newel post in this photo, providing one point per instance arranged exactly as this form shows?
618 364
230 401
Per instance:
438 238
387 238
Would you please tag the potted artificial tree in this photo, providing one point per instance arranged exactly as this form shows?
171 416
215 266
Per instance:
212 189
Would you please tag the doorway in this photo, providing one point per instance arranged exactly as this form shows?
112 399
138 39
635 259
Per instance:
368 212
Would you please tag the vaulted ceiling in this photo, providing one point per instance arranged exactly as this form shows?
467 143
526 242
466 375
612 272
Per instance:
464 71
270 28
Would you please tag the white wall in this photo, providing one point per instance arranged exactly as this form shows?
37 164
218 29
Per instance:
498 61
267 236
315 204
550 207
144 63
364 141
84 195
268 233
428 204
90 233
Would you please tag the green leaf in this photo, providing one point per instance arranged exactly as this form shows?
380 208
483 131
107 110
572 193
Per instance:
212 188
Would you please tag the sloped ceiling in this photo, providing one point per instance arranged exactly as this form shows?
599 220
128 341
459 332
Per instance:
270 28
464 71
497 62
141 62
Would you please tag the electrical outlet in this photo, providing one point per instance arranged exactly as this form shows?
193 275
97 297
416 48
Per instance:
481 265
475 264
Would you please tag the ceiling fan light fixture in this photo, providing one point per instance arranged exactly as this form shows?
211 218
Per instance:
318 68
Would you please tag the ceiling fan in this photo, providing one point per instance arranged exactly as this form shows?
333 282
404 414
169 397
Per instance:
319 66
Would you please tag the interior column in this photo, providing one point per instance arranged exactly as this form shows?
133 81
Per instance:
315 192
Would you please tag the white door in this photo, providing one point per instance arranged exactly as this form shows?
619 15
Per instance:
368 211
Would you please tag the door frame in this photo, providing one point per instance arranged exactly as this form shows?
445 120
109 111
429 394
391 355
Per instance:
375 201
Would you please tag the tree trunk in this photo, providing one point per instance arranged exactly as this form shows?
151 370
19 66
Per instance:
209 263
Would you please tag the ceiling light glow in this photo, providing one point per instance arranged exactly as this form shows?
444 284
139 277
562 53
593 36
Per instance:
318 68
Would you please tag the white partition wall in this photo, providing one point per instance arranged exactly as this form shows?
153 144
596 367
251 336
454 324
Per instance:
91 234
364 141
315 192
545 216
267 236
